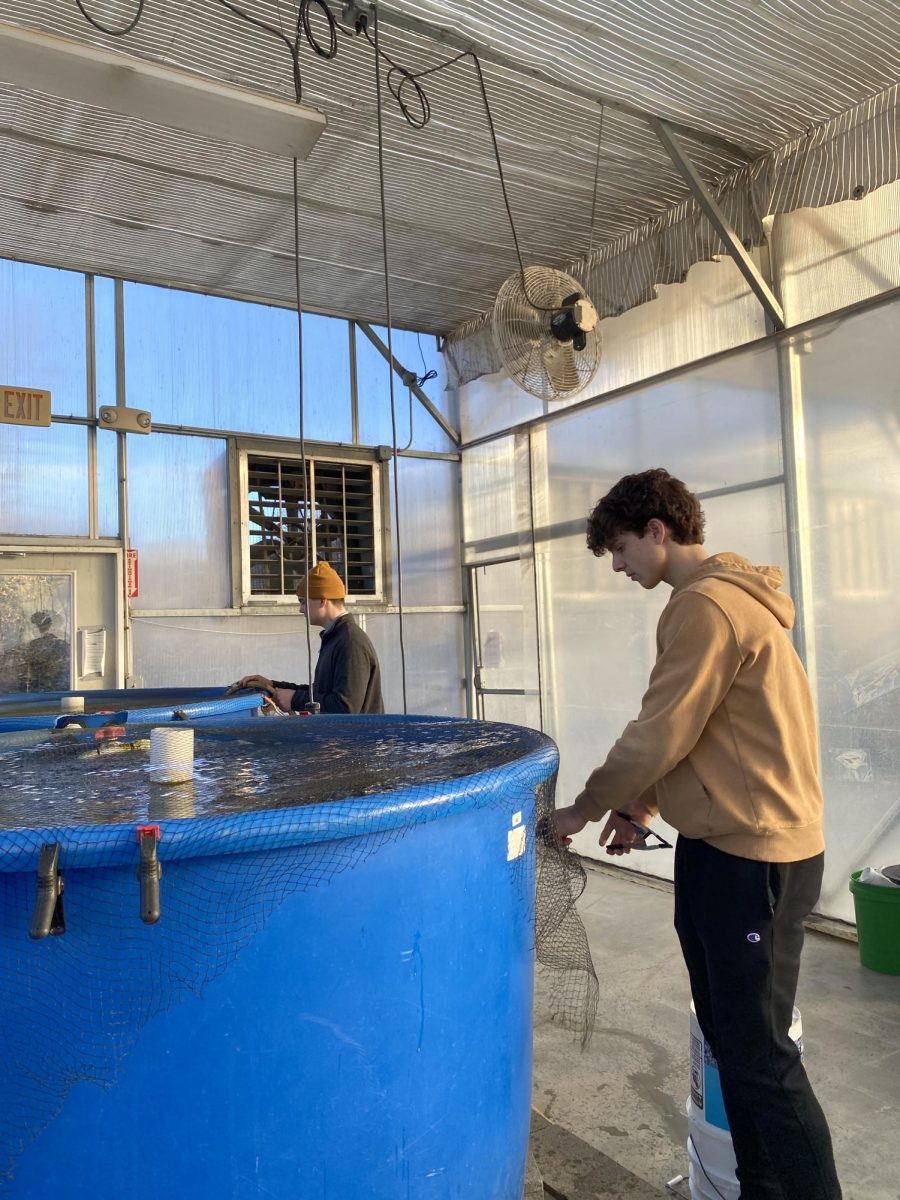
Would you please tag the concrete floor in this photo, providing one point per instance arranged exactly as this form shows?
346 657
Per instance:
625 1095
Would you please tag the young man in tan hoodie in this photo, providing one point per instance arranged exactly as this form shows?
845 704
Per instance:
725 750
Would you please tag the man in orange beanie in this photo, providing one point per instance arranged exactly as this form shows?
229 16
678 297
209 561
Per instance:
347 678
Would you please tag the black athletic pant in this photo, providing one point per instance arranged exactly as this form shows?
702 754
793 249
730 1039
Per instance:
740 924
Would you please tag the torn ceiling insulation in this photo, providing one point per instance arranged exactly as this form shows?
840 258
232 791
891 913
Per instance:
778 103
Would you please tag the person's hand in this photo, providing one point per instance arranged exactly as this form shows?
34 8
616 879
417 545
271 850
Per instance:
254 681
568 821
620 833
283 698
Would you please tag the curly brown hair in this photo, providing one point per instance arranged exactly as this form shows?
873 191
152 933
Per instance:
636 500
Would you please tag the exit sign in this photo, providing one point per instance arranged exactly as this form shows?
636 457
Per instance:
24 406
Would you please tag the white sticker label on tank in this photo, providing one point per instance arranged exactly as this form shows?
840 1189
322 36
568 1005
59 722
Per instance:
515 842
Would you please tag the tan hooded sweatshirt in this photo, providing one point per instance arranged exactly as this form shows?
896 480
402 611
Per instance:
725 746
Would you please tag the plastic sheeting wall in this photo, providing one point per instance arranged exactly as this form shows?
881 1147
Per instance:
211 365
212 651
831 257
849 376
185 564
716 427
719 427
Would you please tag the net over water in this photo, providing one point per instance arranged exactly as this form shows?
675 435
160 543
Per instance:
275 807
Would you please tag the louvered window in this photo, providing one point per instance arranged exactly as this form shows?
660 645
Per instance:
293 523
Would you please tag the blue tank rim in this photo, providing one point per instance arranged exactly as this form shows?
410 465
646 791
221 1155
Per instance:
198 703
184 838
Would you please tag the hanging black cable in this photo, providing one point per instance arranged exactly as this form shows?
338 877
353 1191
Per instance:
304 466
306 26
596 178
132 24
303 29
399 80
387 300
411 79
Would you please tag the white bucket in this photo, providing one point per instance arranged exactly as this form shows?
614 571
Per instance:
710 1151
71 704
706 1087
711 1170
171 755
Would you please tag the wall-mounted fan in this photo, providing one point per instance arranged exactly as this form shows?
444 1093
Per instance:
546 332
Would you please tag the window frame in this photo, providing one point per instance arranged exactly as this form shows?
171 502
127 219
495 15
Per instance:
240 451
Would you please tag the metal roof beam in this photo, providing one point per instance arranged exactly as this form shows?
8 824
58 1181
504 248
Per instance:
409 379
466 45
666 134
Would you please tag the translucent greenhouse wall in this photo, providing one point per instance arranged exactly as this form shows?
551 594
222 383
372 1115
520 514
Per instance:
221 375
794 446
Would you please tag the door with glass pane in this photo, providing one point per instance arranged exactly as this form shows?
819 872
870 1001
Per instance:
60 622
506 681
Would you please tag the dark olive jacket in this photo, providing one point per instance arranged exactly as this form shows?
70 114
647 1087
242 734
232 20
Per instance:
347 678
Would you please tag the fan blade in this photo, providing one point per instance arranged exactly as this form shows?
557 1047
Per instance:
562 371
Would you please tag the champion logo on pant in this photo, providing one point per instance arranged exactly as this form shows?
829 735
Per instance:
754 938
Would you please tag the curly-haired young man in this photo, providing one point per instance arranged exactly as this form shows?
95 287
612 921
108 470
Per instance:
725 750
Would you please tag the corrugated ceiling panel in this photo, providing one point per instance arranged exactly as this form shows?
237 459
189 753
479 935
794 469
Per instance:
89 189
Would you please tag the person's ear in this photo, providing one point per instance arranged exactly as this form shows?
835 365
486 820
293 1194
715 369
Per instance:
657 530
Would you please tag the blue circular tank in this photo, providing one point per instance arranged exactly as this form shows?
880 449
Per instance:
43 710
336 999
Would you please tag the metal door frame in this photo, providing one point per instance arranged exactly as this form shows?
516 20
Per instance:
14 547
476 689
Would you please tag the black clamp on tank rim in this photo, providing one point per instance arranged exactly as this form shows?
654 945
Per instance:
48 915
149 872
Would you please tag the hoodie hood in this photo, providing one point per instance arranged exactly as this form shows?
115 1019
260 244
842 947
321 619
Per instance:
762 583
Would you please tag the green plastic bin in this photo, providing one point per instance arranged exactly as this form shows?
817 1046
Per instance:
878 925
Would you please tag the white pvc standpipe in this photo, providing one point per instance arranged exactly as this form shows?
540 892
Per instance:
171 755
71 704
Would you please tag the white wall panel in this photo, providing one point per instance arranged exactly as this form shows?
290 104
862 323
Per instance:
42 334
850 379
179 521
489 499
433 644
492 403
214 651
715 427
429 532
43 480
831 257
712 310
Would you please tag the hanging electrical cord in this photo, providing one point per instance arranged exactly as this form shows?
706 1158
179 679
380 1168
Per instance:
411 79
387 300
403 449
398 78
308 515
132 24
303 30
596 178
426 374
